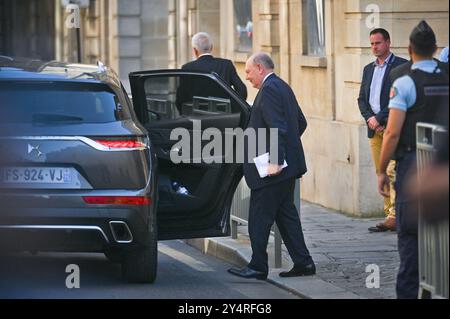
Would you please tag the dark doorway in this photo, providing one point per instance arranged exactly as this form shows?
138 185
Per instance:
27 28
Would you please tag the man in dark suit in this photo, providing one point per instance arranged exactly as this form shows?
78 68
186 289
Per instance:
191 87
202 47
373 103
275 111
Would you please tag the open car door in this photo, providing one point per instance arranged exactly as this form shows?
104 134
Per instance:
200 110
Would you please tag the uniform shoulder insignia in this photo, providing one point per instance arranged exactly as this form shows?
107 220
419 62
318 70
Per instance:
393 93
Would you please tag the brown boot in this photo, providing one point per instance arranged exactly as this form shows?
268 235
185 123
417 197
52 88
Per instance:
387 224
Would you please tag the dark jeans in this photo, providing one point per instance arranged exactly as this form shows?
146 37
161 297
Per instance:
407 229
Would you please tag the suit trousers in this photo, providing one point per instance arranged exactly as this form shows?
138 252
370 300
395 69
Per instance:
375 145
275 203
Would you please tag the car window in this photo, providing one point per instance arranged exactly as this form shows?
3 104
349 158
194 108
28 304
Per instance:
193 96
60 102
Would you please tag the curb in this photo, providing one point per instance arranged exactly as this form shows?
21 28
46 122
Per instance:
239 254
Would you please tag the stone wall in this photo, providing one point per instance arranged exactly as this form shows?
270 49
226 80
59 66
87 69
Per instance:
341 173
97 30
187 17
128 35
27 28
142 36
133 35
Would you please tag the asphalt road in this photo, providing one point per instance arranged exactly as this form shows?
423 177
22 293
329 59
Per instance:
183 273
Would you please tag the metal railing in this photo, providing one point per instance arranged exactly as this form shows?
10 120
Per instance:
433 238
239 216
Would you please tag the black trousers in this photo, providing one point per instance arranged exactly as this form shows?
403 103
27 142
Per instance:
407 228
271 204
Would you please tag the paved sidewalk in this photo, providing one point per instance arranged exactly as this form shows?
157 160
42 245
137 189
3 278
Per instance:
341 247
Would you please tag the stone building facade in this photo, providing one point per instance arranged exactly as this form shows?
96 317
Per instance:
319 46
326 78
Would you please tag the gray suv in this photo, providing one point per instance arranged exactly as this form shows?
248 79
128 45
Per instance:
83 169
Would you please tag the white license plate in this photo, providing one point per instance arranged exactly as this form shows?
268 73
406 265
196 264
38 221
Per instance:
35 175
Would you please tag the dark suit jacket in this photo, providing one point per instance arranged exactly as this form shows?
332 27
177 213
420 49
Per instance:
224 68
276 107
364 93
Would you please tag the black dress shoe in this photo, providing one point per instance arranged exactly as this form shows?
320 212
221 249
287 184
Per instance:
248 273
297 271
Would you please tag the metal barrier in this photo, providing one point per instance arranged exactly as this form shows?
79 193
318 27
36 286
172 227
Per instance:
239 215
433 238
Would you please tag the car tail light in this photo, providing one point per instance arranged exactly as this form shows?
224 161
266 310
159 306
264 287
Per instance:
122 144
118 200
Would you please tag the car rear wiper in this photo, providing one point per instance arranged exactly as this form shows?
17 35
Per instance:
83 74
50 117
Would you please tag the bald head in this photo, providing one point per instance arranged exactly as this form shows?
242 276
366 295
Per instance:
264 60
258 66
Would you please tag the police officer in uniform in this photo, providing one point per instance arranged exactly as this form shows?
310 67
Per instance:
418 94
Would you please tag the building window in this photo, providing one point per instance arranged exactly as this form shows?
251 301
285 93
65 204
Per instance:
313 27
243 25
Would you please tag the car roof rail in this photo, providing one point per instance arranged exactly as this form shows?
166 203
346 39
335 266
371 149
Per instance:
101 67
6 57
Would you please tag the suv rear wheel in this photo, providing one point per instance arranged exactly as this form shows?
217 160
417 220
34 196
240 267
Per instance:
139 265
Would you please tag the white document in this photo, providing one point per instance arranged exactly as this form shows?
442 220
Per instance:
262 164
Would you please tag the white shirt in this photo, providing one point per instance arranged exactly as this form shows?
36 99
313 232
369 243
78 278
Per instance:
377 83
443 57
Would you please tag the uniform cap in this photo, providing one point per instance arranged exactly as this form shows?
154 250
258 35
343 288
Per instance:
422 36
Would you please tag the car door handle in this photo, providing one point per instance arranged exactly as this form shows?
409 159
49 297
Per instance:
172 150
176 150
